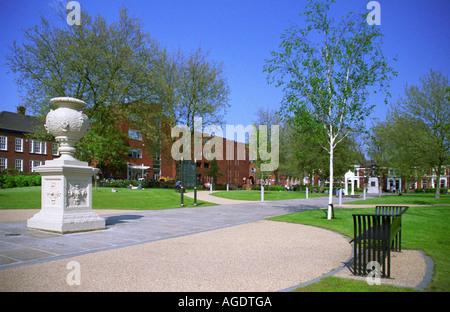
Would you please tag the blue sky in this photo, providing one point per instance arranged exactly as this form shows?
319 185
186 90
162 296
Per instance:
242 33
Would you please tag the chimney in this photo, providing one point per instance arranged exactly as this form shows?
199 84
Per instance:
21 110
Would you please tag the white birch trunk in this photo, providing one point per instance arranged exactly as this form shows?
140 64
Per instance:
330 190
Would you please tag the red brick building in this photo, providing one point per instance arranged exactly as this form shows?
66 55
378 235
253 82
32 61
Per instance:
17 150
235 170
141 163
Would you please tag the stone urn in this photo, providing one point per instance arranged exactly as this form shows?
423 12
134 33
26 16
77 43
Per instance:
66 195
67 124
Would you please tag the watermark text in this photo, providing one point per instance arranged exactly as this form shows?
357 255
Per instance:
74 16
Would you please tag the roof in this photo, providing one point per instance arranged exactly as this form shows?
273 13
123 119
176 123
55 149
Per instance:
19 123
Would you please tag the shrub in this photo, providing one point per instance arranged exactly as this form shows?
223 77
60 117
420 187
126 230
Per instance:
276 188
220 187
118 183
20 180
443 190
11 171
34 180
7 181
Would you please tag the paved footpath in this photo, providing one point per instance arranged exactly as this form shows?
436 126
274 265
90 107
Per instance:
20 245
228 247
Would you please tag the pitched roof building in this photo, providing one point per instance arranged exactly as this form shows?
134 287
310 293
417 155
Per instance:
17 149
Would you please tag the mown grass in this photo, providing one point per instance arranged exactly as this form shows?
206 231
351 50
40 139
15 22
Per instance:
268 195
424 228
406 199
103 198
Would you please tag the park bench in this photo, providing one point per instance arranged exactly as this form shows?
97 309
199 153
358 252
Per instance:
393 211
375 235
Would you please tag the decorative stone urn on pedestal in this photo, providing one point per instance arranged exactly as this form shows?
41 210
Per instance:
66 199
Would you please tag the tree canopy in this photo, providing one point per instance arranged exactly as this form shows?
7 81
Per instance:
123 75
414 139
327 70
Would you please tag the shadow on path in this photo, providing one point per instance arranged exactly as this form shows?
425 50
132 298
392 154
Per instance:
112 220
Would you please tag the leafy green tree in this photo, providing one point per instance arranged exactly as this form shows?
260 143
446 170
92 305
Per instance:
326 69
414 140
106 152
195 87
214 170
106 65
202 91
269 118
391 141
307 158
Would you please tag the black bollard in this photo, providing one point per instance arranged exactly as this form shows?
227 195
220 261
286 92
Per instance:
182 200
195 196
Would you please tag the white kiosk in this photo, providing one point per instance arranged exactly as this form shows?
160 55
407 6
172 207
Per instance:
349 176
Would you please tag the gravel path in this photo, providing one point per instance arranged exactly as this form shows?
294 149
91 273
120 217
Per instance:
226 248
257 256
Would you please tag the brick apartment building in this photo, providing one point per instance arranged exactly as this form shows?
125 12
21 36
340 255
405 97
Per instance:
17 150
140 164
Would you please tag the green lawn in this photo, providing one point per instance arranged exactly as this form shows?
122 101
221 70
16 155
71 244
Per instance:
424 228
406 199
103 198
268 195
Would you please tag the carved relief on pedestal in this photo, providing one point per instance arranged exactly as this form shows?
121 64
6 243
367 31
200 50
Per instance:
77 194
52 191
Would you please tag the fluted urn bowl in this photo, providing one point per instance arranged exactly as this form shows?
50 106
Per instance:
67 123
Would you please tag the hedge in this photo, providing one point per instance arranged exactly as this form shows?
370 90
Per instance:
19 180
443 190
119 183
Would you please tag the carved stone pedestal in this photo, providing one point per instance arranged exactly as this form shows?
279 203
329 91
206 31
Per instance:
66 200
66 204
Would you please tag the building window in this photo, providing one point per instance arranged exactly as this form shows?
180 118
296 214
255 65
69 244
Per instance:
134 135
34 164
55 147
38 147
3 143
135 153
18 164
3 164
18 145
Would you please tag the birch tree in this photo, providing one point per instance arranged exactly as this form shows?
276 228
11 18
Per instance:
327 69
